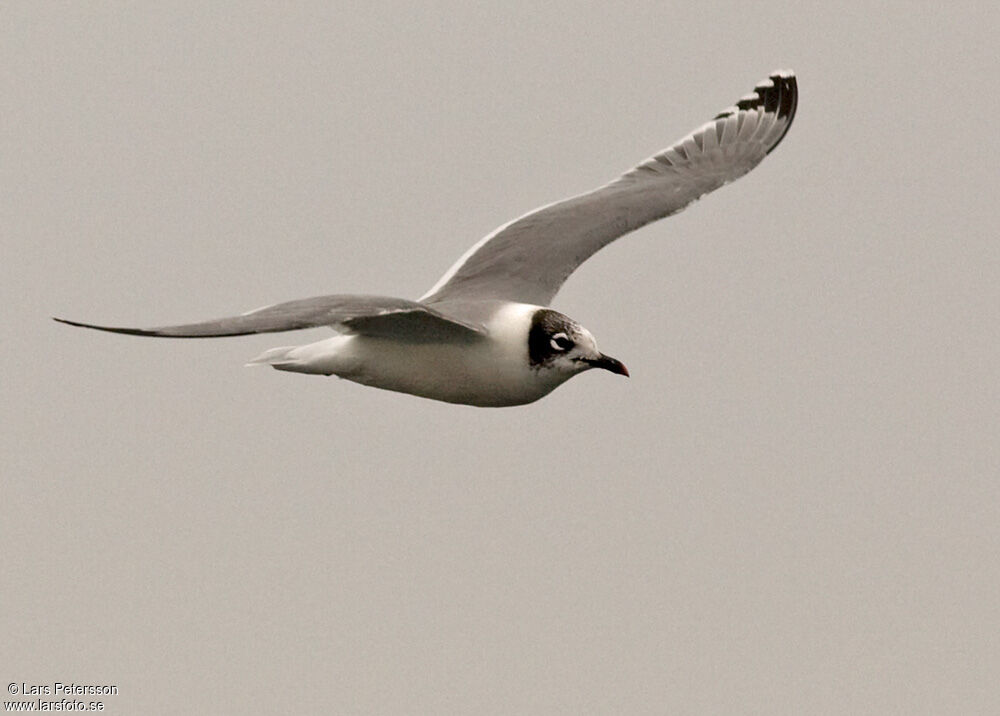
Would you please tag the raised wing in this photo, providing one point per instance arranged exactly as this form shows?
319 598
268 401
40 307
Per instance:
528 259
368 315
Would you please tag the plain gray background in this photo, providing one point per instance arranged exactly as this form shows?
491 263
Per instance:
791 507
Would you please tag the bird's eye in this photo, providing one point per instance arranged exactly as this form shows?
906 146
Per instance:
561 342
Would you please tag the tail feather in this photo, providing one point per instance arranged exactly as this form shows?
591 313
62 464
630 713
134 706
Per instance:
320 358
276 357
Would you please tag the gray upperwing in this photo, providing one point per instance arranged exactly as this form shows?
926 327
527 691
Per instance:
529 258
368 315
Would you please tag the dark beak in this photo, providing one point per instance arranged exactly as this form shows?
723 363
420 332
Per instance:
609 363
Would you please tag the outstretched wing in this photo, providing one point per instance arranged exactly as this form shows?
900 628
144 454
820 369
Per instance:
528 259
368 315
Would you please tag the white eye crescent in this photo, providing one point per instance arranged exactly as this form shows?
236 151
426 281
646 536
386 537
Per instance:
561 342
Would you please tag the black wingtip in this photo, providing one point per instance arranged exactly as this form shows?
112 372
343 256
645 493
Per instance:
787 91
779 94
109 329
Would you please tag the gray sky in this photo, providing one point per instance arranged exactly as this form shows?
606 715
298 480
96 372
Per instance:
792 507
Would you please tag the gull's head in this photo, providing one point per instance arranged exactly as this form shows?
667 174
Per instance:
558 343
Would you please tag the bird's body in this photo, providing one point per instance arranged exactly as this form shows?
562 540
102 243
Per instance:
482 335
488 371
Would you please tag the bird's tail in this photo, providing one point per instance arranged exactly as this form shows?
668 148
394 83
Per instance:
275 357
322 358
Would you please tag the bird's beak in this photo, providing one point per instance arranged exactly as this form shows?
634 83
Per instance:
609 363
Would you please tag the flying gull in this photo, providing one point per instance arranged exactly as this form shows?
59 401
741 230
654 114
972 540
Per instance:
483 335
